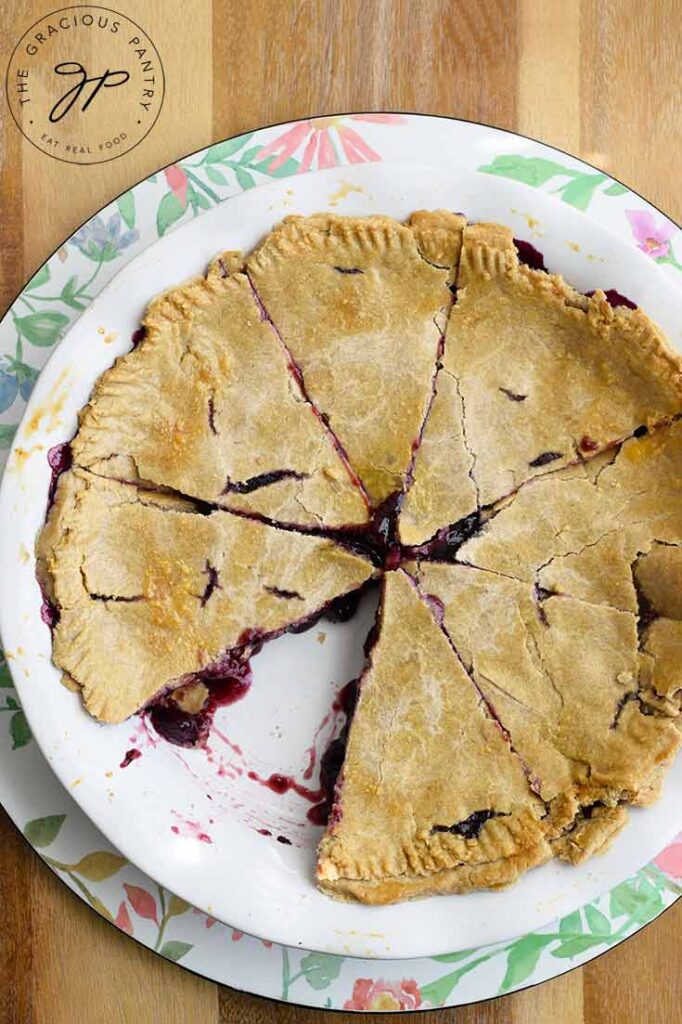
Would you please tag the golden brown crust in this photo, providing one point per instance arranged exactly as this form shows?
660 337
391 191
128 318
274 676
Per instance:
459 879
590 835
565 608
127 571
442 790
359 302
187 409
544 377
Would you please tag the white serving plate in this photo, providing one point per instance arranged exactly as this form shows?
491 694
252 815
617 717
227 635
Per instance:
157 810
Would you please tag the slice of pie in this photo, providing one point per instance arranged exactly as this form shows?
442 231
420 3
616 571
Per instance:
580 533
360 305
208 406
534 376
583 723
431 798
149 593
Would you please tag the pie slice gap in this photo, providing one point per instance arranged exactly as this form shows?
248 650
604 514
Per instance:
534 376
360 305
431 799
148 593
206 405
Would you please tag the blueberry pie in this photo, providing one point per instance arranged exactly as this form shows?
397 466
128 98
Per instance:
361 400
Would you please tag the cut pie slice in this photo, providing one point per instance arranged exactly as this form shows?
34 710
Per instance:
207 405
583 666
360 305
149 593
575 534
431 798
535 376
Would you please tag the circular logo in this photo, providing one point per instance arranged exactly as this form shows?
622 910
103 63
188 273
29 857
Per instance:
85 84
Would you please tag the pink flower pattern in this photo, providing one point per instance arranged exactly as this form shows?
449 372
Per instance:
177 182
670 859
651 238
321 139
384 995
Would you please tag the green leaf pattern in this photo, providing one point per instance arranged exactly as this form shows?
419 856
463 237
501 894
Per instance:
536 171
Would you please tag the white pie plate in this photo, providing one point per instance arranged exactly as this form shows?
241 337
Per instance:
163 808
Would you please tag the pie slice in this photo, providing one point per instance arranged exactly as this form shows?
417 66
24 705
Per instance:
149 593
431 798
535 376
575 534
566 681
208 406
360 305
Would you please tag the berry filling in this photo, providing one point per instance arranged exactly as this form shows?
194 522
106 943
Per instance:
469 828
513 396
544 458
131 755
447 542
615 298
529 255
59 460
225 682
255 483
211 583
533 258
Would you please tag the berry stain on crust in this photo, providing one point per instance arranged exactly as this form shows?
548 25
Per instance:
513 396
471 827
212 583
544 458
139 335
255 483
59 459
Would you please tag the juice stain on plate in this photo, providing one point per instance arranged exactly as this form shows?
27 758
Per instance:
20 456
49 410
533 223
574 246
344 189
24 554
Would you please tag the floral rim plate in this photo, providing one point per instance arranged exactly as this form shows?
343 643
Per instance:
46 308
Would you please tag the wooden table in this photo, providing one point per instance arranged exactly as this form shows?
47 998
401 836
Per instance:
598 78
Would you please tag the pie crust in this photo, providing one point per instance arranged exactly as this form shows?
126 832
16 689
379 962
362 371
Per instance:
361 305
171 590
534 376
207 405
361 398
399 827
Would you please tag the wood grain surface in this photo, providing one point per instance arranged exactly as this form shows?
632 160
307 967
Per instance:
600 78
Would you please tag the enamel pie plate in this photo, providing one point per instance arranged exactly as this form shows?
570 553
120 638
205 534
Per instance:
194 820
